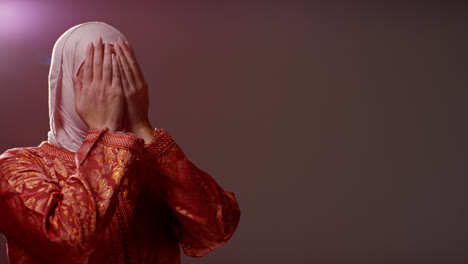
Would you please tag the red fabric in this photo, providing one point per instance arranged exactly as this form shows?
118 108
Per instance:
115 201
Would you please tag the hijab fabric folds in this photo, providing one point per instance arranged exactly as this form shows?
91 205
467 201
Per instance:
67 130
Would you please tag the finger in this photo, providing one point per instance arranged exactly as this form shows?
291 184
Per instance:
88 64
129 48
116 80
125 84
97 62
107 66
125 65
130 56
127 44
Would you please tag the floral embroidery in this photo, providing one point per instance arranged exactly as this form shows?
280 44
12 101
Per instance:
95 207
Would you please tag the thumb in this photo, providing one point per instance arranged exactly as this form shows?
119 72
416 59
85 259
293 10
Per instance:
76 86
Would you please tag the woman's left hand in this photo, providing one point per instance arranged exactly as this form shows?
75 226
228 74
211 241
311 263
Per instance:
135 91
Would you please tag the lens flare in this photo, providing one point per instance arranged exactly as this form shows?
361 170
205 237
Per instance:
10 22
20 20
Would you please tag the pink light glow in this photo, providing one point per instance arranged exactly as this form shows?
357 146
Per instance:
21 20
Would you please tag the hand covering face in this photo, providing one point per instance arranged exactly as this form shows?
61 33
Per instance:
67 130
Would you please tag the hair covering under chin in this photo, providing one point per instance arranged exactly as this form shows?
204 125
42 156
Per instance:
67 130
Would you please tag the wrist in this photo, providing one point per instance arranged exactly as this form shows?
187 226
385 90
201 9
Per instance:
112 126
144 131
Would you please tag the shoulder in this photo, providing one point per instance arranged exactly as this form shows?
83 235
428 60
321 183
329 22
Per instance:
13 158
19 153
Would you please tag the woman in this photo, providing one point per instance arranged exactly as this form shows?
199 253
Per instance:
94 193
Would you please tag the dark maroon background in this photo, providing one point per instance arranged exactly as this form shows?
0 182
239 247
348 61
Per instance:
340 126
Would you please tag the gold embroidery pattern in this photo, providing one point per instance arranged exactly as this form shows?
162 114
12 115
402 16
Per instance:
205 215
70 204
62 202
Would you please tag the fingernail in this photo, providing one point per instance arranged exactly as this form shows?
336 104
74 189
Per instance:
126 42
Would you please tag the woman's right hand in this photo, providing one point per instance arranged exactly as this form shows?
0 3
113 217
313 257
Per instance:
99 99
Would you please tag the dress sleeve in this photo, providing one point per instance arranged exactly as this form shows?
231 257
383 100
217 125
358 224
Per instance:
61 221
205 216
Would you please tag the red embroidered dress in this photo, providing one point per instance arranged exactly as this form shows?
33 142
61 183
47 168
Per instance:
115 201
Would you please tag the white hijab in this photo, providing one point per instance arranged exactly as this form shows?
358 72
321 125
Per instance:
67 130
